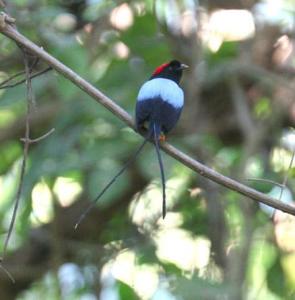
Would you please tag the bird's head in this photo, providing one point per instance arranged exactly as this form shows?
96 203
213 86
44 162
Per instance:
172 70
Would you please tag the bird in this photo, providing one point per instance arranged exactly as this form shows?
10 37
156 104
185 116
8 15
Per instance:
158 107
160 100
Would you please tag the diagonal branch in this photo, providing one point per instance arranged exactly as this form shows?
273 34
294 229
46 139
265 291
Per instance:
7 29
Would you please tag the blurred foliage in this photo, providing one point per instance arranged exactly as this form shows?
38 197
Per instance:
213 244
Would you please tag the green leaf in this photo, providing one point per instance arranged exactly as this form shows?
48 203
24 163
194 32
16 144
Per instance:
126 292
276 278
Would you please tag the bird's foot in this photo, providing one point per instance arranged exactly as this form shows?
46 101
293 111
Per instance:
162 137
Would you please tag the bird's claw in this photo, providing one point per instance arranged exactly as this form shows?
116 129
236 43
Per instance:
162 137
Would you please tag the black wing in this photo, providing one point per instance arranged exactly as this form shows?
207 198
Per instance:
143 112
156 110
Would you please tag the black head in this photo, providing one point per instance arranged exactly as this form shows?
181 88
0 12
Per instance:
171 70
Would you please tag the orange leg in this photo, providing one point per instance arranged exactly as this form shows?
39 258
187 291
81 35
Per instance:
162 137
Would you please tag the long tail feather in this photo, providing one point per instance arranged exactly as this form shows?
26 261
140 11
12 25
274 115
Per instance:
127 164
156 139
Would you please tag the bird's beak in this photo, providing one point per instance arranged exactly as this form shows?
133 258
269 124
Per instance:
183 66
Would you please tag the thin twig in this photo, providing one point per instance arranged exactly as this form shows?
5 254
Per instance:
266 180
11 78
7 273
42 137
283 185
23 80
25 152
98 96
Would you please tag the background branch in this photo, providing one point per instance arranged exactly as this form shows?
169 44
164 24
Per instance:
2 86
25 152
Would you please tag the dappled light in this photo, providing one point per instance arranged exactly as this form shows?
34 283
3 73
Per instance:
143 278
66 190
145 208
122 17
65 22
121 50
189 253
228 25
42 204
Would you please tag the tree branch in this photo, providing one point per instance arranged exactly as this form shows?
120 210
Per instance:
7 29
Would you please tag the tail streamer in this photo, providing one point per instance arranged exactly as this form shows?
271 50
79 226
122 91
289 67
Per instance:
127 164
156 131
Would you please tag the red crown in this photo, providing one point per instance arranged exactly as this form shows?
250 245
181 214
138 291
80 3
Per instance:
160 69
